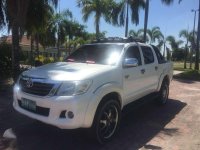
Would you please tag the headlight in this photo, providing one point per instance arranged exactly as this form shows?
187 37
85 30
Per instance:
16 86
73 88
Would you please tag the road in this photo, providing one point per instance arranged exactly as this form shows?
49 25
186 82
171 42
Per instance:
175 126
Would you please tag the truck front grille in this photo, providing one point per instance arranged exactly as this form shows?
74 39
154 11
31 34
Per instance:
35 88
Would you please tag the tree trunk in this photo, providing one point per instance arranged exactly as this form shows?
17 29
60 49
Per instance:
146 19
97 21
164 50
185 54
185 57
191 53
37 45
31 52
197 48
58 48
15 51
127 15
97 31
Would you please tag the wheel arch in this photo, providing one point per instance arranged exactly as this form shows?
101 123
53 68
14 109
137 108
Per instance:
115 95
99 100
162 79
166 78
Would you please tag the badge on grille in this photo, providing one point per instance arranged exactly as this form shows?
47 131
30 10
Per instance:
29 83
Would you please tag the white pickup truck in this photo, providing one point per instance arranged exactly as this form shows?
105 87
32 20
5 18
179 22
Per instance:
90 89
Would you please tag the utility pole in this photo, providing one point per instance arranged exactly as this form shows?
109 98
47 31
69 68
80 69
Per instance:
146 19
193 45
198 34
127 15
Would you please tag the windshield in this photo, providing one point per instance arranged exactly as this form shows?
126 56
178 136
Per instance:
106 54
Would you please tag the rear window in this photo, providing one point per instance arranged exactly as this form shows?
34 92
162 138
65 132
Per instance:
106 54
161 59
148 55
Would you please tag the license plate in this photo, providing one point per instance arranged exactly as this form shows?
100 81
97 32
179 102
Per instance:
28 104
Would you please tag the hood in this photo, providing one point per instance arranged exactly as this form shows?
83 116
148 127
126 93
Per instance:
67 71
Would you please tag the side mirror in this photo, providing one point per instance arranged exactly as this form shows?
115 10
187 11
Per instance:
130 62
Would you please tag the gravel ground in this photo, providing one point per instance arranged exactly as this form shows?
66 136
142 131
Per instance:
175 126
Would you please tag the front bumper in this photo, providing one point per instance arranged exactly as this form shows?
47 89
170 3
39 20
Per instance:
56 105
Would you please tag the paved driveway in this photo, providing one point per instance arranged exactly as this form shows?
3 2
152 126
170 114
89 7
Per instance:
175 126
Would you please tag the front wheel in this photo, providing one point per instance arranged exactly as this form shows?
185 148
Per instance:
163 93
106 121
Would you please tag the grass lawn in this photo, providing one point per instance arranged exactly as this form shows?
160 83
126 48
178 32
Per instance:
190 74
180 66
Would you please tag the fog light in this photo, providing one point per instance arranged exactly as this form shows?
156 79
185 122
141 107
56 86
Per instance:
62 114
70 114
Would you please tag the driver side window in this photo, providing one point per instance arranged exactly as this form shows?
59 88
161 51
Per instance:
133 52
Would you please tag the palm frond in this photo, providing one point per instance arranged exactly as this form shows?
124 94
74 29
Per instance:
2 17
167 2
135 6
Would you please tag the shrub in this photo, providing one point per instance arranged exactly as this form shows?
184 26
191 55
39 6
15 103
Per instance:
44 60
5 60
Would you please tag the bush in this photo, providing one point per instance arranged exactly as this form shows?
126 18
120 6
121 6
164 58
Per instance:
5 60
48 60
44 60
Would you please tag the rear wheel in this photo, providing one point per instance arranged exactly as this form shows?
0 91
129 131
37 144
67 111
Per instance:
106 121
163 93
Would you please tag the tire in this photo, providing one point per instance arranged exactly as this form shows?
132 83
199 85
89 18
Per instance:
106 121
163 93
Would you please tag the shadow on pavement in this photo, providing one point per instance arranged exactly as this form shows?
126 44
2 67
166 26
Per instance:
179 79
138 126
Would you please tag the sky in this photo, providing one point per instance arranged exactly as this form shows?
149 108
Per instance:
171 19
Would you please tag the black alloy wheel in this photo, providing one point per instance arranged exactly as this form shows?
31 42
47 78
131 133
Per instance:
163 93
107 121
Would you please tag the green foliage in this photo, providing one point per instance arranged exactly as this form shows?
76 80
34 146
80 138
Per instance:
41 60
5 60
137 34
178 55
100 8
46 60
189 75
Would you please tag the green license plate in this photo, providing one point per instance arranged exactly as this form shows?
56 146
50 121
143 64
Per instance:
28 104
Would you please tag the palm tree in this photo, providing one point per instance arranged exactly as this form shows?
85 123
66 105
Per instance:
173 42
124 11
134 33
36 25
100 8
197 49
16 15
60 23
166 2
175 45
2 17
153 34
15 12
162 42
186 35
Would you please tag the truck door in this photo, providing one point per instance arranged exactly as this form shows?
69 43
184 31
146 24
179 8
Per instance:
150 69
132 77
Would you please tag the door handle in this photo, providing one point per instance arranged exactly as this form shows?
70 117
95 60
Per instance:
143 71
156 68
126 76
